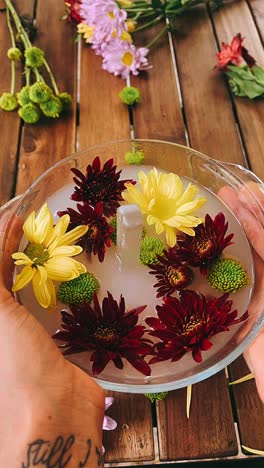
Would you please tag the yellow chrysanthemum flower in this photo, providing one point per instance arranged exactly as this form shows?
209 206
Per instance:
166 204
86 31
47 257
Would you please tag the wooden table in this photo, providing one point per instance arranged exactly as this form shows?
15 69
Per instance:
185 101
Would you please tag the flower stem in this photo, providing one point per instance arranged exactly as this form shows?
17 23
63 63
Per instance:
13 42
27 73
52 78
157 37
148 24
21 31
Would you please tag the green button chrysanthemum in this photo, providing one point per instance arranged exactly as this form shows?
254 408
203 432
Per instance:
227 275
156 396
40 92
66 101
52 107
23 96
29 113
14 53
8 102
149 249
134 157
130 95
78 290
34 57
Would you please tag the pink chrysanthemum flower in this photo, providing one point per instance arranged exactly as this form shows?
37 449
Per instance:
107 18
122 58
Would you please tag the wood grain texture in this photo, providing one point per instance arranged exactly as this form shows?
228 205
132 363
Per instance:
132 440
159 113
207 105
50 140
249 407
209 432
9 121
257 8
103 117
236 17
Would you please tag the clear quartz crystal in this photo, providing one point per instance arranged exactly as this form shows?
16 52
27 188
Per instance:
129 234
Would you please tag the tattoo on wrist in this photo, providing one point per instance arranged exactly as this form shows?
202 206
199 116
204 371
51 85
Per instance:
57 453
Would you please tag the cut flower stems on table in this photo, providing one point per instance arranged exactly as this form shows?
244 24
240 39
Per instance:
36 98
176 245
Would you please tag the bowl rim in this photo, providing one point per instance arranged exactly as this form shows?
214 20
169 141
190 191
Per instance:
246 341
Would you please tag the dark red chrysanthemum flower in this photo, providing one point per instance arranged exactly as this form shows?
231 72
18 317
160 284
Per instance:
72 8
186 324
234 54
109 331
207 244
100 184
170 273
99 231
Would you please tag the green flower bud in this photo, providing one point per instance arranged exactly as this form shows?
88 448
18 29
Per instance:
149 249
227 275
113 223
14 53
30 113
134 157
130 95
78 290
8 102
52 107
34 57
156 396
40 92
23 96
66 101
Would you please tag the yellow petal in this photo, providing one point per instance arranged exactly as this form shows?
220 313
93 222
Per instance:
63 268
41 290
187 195
44 228
43 275
29 227
21 259
159 227
72 236
187 230
151 220
24 278
191 206
59 230
65 250
170 236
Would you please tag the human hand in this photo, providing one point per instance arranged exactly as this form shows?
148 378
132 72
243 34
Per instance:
50 409
250 212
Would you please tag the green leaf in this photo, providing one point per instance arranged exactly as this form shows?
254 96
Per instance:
258 72
156 4
246 88
242 72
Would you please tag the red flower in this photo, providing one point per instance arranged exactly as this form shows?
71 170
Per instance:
109 331
207 244
73 11
171 275
234 54
186 324
99 184
99 233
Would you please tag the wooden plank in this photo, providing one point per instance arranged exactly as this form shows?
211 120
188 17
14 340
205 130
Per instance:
209 432
132 440
257 8
249 407
9 121
159 114
207 105
50 141
103 118
233 18
102 115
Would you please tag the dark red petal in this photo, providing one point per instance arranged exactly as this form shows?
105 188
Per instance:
197 355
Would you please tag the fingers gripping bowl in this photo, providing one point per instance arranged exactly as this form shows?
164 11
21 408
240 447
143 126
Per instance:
168 241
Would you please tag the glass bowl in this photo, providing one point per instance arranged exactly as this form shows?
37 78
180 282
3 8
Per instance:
211 175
